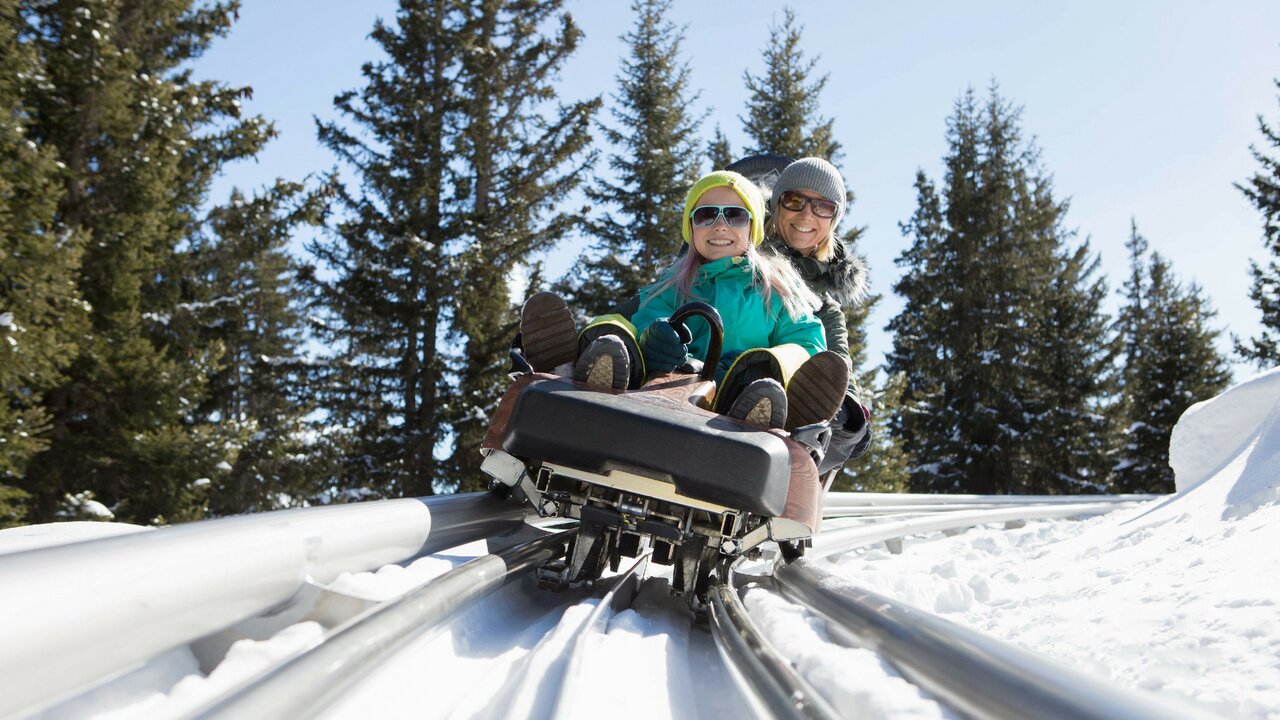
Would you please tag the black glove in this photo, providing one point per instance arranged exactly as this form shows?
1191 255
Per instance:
850 434
852 416
663 346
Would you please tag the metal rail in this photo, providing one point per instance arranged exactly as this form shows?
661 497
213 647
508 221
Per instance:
302 685
165 588
156 590
618 598
760 671
842 505
977 675
844 539
860 499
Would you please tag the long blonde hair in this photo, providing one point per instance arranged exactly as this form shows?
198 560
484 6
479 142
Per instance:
770 275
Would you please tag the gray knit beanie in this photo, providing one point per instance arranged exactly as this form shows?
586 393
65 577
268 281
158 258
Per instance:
814 174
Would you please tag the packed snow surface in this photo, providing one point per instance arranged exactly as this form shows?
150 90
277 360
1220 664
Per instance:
1176 596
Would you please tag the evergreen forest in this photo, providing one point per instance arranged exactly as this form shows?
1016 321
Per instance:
167 355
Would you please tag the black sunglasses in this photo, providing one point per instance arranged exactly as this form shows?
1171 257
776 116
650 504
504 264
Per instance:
795 202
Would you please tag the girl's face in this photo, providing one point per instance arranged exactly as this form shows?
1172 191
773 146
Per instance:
802 230
720 240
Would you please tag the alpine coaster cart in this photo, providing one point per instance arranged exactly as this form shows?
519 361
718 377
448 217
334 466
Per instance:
654 468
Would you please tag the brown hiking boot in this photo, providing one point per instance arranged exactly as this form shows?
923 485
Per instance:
547 332
816 390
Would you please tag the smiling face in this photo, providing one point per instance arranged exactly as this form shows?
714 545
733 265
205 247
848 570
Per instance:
803 231
720 240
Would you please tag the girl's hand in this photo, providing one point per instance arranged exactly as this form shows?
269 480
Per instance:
664 348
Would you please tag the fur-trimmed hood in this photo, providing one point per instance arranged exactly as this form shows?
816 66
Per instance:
844 277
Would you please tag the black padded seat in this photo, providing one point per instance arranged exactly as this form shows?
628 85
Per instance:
709 458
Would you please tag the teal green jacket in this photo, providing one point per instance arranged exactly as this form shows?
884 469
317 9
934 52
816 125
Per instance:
725 284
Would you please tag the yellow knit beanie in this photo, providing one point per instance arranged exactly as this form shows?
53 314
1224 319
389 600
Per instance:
746 190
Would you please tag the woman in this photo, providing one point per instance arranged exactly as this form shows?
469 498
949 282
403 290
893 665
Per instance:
806 206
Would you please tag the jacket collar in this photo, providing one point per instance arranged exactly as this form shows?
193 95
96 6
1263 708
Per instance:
725 266
844 276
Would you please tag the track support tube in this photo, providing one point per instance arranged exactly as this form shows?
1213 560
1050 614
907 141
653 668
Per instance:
304 684
761 671
155 590
978 676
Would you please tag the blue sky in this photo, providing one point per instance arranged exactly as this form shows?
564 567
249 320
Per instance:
1141 109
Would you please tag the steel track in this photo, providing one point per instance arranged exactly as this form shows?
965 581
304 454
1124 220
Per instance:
765 675
973 674
304 684
173 586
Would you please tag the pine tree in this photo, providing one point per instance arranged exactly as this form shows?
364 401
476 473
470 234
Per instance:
521 158
654 163
1169 362
458 171
388 293
1000 328
1263 190
140 141
1070 358
40 310
883 468
782 111
242 296
1132 321
783 118
719 152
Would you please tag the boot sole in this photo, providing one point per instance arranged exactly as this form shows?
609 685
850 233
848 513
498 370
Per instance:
816 390
548 332
761 413
604 364
600 374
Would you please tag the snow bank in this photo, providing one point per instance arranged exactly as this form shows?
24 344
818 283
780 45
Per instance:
1233 440
1177 596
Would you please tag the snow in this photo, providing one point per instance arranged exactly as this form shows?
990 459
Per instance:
391 581
1213 434
171 685
82 505
1177 596
849 677
32 537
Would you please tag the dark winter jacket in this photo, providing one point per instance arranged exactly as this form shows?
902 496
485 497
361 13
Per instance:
839 283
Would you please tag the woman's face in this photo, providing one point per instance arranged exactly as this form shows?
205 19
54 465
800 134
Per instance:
801 229
720 240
